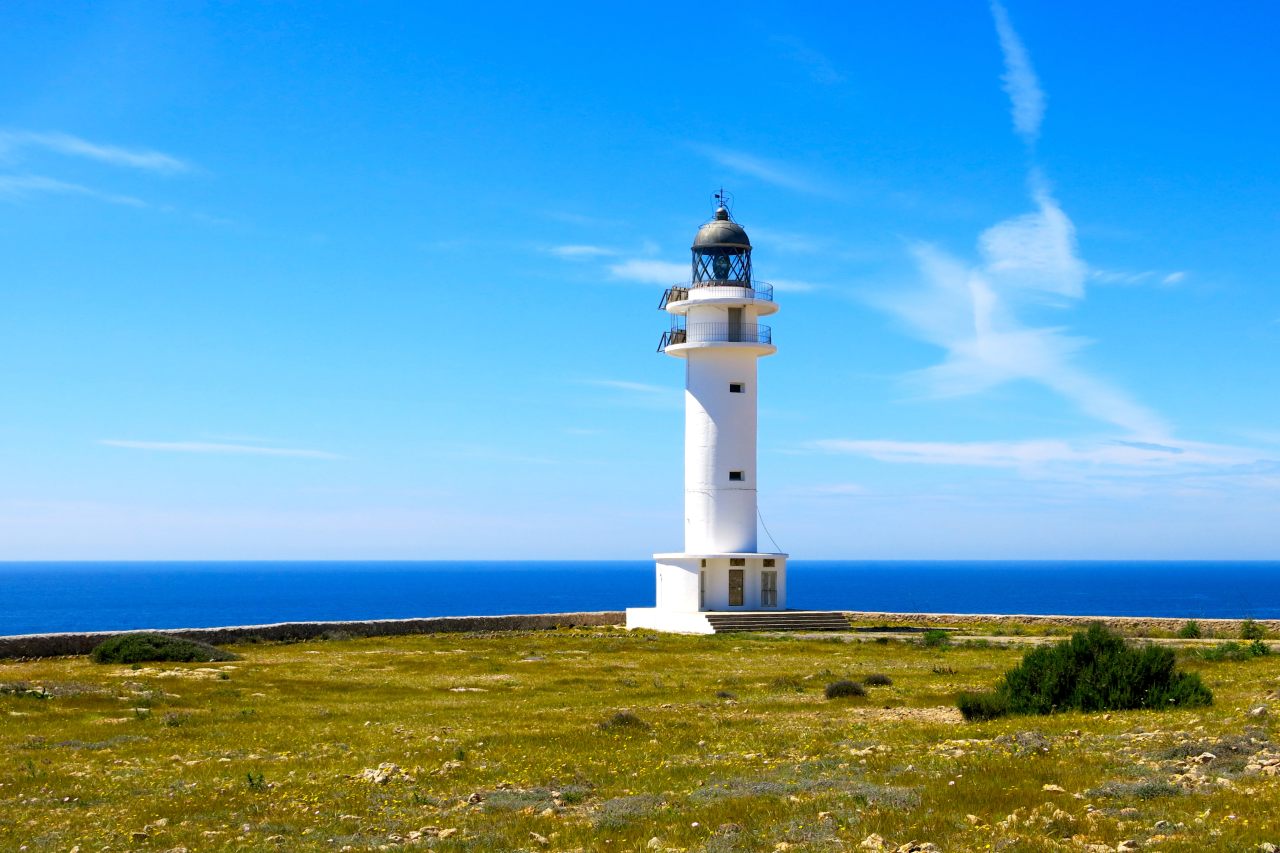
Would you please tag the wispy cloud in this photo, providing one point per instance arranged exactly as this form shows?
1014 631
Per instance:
217 448
577 251
770 171
19 186
820 68
646 271
1020 80
1123 278
1043 455
73 146
794 285
624 385
974 311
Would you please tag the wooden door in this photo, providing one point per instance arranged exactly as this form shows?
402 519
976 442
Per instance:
735 587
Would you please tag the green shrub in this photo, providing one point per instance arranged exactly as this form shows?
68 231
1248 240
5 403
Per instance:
1233 651
144 647
982 706
878 680
844 689
1190 630
1095 670
936 638
1250 630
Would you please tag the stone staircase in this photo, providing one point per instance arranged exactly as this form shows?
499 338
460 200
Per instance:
777 620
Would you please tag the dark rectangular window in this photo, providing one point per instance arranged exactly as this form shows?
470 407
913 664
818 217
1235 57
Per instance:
735 476
737 388
769 563
737 561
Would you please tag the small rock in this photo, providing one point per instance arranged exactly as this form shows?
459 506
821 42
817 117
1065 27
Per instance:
655 843
475 798
1267 847
1128 844
139 836
445 833
1056 789
1128 811
1164 826
1258 713
872 842
540 839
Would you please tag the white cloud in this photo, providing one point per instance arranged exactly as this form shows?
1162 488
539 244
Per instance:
1036 251
1174 277
18 186
968 312
1019 77
217 448
74 146
573 252
647 271
770 171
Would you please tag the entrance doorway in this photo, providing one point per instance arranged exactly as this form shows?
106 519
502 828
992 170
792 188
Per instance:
768 589
735 587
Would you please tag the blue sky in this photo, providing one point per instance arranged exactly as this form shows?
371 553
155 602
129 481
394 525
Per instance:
312 281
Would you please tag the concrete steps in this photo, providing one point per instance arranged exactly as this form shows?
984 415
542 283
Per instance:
782 620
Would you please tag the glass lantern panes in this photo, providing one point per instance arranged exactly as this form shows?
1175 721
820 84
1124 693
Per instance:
722 266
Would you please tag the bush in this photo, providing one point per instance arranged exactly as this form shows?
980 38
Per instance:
1250 630
1234 651
878 680
623 720
145 647
1190 630
844 689
982 706
1095 670
936 638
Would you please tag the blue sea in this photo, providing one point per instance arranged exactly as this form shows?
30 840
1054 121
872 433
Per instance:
50 597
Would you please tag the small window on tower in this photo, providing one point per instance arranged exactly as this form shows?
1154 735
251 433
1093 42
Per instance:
769 562
737 561
735 476
737 388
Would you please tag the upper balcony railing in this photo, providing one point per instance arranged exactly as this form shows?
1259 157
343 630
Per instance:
713 289
732 333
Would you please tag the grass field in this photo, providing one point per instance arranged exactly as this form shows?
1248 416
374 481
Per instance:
603 740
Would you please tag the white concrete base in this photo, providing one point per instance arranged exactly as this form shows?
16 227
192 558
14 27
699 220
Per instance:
673 621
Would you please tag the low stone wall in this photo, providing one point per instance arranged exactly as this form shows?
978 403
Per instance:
54 645
1137 626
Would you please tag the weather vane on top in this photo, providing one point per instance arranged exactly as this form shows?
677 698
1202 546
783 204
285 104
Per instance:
724 199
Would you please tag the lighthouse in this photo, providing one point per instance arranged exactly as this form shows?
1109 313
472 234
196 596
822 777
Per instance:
716 331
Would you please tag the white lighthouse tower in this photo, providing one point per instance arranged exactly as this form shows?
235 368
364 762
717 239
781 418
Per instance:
715 328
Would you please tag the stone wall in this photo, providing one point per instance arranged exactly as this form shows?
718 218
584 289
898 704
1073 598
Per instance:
1135 626
53 645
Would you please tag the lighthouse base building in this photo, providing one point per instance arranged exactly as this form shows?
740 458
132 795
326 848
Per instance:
690 586
715 330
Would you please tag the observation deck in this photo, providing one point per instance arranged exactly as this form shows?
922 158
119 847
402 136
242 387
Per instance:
679 298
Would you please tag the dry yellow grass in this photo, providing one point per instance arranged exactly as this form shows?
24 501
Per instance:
516 742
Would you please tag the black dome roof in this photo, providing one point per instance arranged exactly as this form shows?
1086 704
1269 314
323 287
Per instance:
721 231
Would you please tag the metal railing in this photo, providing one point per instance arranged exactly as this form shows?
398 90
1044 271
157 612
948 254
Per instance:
733 333
711 289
